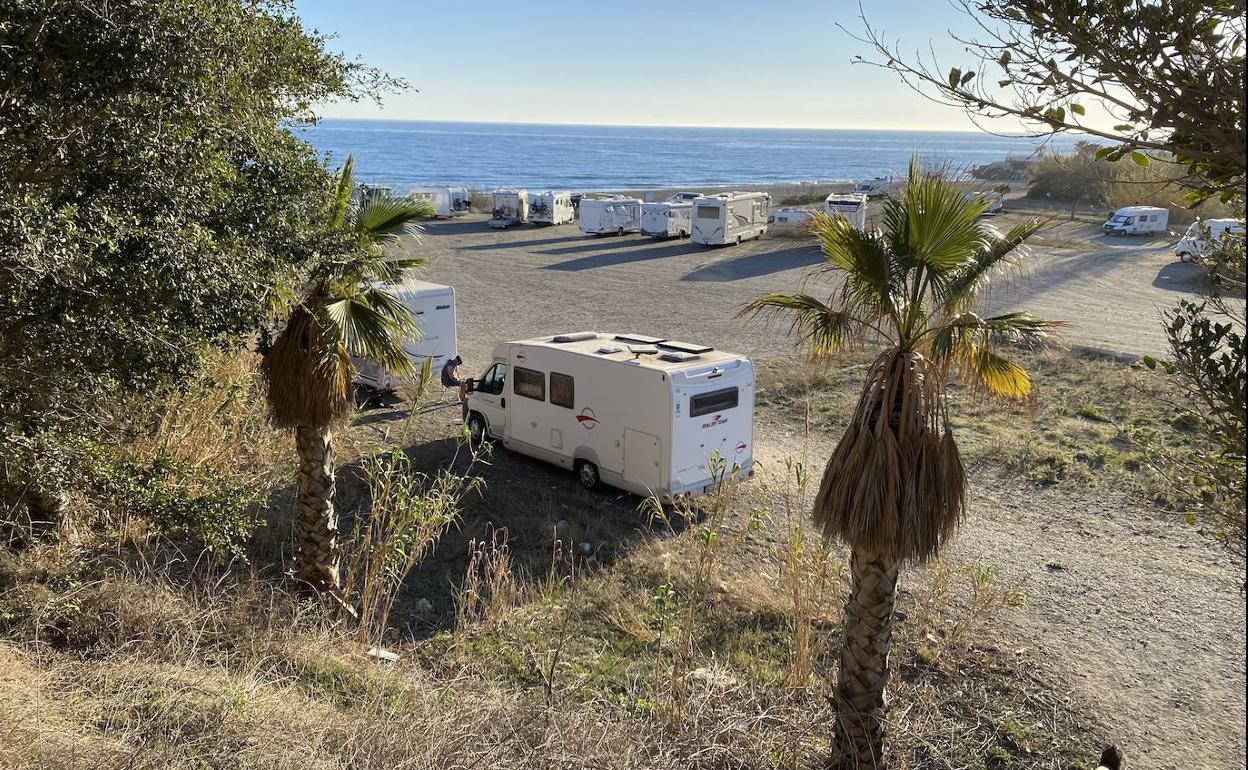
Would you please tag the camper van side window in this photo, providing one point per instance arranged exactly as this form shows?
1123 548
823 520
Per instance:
528 383
562 389
715 401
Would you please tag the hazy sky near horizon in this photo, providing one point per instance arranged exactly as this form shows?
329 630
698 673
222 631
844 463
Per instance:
725 63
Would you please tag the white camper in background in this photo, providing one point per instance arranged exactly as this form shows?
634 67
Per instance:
551 208
992 198
640 413
433 309
873 188
1137 220
730 217
510 207
616 215
851 206
1203 236
790 221
683 197
446 201
670 219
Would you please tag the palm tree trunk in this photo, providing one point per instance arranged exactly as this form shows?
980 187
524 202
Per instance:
319 550
860 702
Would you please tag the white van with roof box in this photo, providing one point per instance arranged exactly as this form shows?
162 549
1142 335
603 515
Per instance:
669 219
432 307
719 220
644 414
1205 235
1137 220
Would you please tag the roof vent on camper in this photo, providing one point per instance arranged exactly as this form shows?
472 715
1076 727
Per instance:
607 350
686 347
578 337
639 338
677 356
642 350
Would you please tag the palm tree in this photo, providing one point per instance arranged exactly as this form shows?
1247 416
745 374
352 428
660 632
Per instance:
894 489
343 308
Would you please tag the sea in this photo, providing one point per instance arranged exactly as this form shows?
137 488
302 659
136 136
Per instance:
403 153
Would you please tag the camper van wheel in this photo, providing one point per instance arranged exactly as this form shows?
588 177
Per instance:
587 474
619 231
738 240
684 234
477 428
1184 256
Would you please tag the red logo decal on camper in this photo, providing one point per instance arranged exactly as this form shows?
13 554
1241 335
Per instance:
716 420
520 355
741 446
587 419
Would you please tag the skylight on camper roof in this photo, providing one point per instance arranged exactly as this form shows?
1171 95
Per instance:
607 350
639 350
639 338
578 337
677 356
686 347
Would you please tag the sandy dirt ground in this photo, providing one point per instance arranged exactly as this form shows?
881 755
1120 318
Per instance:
1138 618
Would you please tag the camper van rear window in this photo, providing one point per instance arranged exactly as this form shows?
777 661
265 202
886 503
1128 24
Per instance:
528 383
708 212
715 401
562 389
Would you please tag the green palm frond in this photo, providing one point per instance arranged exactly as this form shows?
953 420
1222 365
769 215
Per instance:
817 326
941 228
871 282
999 375
383 218
961 289
344 189
391 269
969 342
366 332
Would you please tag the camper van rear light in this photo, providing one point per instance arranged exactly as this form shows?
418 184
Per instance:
750 475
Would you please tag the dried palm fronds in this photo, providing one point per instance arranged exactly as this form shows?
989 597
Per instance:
308 375
895 485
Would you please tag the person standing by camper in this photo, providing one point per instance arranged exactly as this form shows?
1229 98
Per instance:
451 379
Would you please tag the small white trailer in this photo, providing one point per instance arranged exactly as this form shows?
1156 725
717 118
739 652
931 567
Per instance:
994 201
643 414
669 219
732 217
790 221
447 201
553 207
850 206
1137 220
432 307
510 207
616 215
873 188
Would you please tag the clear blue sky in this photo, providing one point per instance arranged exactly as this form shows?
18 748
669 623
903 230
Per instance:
673 63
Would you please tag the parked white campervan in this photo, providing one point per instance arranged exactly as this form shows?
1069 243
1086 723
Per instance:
991 198
510 207
1137 220
640 413
873 188
446 201
551 208
730 217
790 221
670 219
851 206
616 215
684 197
1202 236
432 307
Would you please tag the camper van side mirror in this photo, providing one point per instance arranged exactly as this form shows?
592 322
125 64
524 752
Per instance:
471 386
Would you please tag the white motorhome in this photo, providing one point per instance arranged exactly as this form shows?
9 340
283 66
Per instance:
616 215
1203 236
851 206
991 198
510 207
670 219
790 221
644 414
446 201
873 188
683 197
432 307
551 208
732 217
1137 220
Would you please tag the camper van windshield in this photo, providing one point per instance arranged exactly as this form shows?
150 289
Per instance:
708 212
